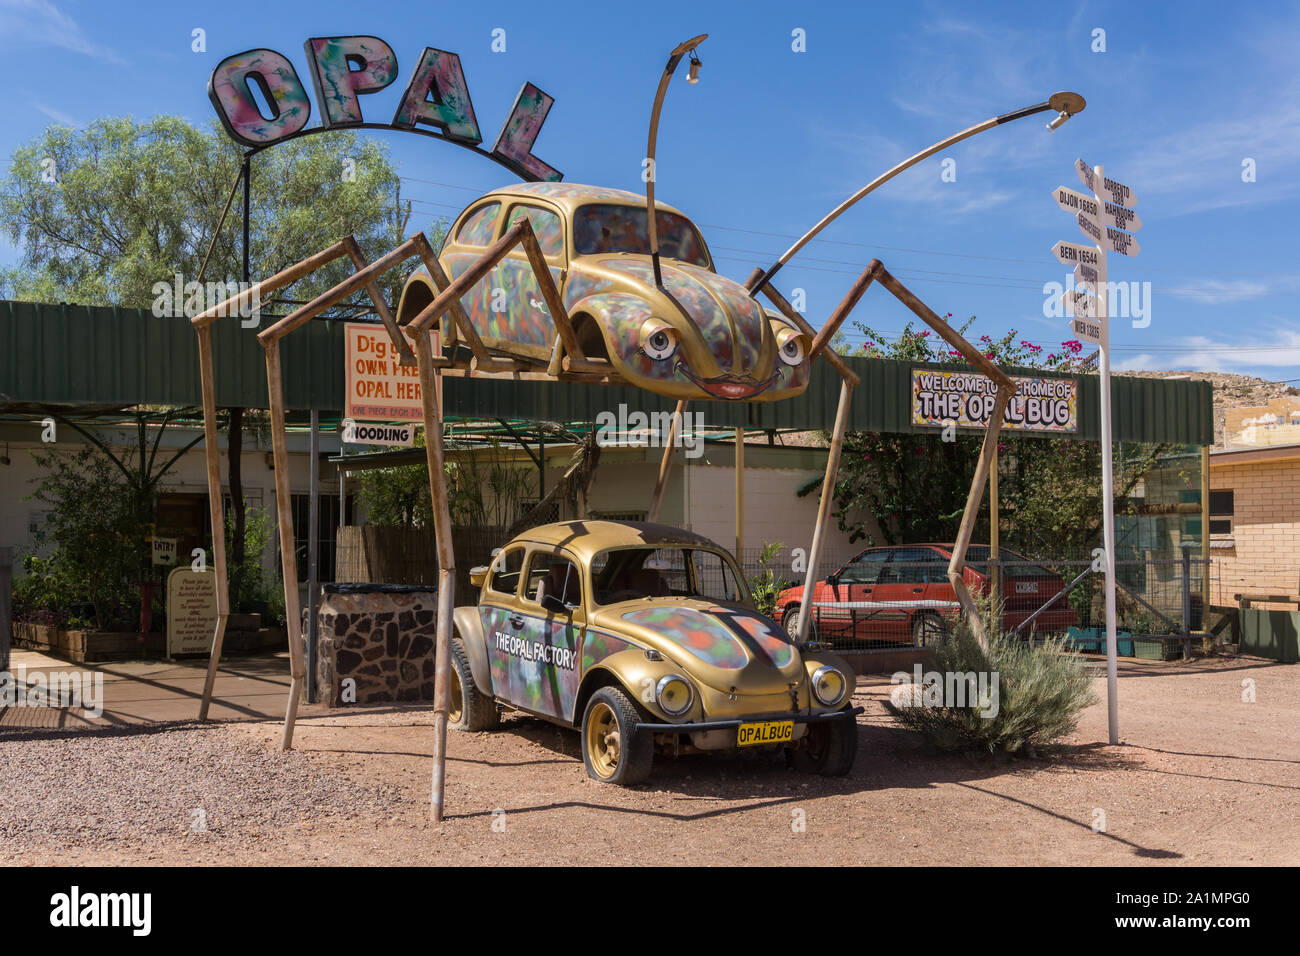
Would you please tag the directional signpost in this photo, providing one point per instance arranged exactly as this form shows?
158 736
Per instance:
1107 218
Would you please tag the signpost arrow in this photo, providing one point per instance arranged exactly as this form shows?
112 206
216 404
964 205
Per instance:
1073 201
1086 329
1074 253
1080 302
1121 217
1089 228
1120 242
1120 194
1086 275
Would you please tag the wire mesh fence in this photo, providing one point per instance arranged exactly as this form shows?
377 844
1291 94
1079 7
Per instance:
885 598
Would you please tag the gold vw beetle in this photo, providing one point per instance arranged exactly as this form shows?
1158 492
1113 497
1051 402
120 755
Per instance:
697 335
645 638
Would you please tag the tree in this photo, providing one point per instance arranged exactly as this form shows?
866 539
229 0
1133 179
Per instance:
112 214
104 503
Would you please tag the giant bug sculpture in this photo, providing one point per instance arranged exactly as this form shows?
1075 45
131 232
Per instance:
569 283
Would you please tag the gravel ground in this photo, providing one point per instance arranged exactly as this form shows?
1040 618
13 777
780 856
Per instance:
142 789
1202 776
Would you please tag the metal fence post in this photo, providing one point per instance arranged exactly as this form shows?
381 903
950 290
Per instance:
1187 602
6 615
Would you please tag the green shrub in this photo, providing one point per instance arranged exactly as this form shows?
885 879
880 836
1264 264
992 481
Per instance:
1040 691
766 586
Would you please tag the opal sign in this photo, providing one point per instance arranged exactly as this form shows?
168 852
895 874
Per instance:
435 101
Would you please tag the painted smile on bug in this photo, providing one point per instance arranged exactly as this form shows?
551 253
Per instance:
728 386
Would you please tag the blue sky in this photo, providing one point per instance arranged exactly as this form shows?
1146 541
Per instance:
771 139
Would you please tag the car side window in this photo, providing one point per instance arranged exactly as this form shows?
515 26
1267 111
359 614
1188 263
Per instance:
546 224
916 566
865 568
505 573
478 229
553 576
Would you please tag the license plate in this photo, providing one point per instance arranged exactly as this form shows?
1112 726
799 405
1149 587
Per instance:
768 732
1026 587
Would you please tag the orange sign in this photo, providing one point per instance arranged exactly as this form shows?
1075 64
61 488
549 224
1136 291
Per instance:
379 387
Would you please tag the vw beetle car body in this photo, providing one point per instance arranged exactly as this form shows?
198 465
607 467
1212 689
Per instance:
698 336
645 639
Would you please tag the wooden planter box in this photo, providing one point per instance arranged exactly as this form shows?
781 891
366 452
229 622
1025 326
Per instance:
83 647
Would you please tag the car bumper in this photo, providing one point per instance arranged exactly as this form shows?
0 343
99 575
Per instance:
721 734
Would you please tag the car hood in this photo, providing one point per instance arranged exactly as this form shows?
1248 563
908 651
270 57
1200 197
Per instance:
726 646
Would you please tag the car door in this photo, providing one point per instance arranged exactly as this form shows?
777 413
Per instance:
498 609
544 660
914 578
517 312
856 582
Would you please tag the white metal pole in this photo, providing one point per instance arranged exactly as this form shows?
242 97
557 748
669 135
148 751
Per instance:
1107 482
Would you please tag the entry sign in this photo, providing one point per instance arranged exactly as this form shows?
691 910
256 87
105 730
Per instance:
164 552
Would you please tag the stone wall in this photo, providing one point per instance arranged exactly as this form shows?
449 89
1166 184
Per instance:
380 636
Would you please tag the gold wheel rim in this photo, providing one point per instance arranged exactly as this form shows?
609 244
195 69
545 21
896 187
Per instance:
457 704
604 745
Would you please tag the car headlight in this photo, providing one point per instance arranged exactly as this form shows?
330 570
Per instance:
658 338
829 685
789 344
674 694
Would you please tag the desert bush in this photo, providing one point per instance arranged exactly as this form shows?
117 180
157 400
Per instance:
1040 691
766 585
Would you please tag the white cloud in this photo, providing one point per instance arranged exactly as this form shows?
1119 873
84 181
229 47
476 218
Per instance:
58 115
41 22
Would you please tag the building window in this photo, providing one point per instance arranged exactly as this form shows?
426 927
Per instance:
1221 511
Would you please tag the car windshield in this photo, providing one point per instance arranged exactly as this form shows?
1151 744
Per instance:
601 228
629 574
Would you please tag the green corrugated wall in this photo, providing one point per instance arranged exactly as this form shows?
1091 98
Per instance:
73 354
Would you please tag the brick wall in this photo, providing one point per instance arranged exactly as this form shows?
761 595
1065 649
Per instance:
1265 556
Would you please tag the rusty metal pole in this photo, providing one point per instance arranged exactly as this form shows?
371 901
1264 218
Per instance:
824 508
435 457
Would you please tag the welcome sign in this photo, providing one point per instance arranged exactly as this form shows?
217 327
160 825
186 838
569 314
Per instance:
343 69
963 398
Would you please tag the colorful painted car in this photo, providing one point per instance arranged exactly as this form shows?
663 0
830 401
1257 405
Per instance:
700 336
902 595
644 638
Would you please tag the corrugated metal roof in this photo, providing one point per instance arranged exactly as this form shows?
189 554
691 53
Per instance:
83 355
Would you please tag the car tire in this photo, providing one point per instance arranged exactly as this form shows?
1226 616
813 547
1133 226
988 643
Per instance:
927 627
790 623
469 708
829 748
614 748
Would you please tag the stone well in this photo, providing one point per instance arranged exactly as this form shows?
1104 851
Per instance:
379 635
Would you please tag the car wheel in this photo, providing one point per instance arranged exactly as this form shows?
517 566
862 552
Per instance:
926 629
614 748
469 708
790 621
829 748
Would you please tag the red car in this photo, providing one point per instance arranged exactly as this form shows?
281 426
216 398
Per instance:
901 595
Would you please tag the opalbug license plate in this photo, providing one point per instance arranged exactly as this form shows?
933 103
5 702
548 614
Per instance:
768 732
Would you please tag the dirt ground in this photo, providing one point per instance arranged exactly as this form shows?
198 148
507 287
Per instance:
1201 777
